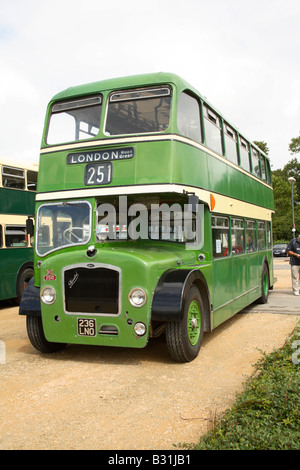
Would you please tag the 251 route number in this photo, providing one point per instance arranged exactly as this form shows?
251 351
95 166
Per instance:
98 173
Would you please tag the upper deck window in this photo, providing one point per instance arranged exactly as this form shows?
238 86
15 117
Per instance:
13 177
269 174
263 168
74 120
31 180
255 163
188 117
231 144
138 111
245 155
213 130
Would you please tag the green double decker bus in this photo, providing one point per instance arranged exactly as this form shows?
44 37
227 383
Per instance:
153 216
17 189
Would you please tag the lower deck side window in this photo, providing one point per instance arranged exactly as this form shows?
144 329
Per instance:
261 235
15 236
237 236
220 235
251 236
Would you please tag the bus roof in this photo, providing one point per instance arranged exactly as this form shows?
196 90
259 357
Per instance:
124 82
133 81
18 164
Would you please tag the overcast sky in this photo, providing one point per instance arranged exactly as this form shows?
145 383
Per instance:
242 55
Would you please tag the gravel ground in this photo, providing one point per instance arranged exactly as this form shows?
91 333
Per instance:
125 399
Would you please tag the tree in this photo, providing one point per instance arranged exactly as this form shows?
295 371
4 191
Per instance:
294 146
262 145
283 219
292 168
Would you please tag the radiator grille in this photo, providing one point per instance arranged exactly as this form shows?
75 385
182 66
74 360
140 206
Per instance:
92 290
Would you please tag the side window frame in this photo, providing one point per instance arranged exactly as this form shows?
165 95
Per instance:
220 236
185 124
212 122
231 144
245 156
14 243
237 236
13 178
251 236
255 163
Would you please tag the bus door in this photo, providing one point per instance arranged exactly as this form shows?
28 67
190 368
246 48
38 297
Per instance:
222 269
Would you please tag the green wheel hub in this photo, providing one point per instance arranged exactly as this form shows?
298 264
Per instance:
194 322
265 283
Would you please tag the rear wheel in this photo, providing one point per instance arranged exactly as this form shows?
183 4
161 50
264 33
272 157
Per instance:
184 338
37 338
264 285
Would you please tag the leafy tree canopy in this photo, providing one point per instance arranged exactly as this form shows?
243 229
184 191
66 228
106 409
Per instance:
282 219
262 145
294 146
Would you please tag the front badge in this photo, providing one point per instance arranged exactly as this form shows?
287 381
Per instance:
50 276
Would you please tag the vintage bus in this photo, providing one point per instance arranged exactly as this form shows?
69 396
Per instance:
17 188
153 216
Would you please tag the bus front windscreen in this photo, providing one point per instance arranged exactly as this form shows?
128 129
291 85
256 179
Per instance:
62 225
74 120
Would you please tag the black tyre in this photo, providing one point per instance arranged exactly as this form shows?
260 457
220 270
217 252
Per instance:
37 338
264 285
184 338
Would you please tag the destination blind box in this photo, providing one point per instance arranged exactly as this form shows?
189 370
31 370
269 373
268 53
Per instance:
97 156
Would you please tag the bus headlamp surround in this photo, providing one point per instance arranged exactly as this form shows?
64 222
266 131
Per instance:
48 295
137 297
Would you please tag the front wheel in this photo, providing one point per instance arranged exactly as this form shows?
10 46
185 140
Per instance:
37 338
184 338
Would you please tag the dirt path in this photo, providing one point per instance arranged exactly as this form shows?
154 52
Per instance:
102 398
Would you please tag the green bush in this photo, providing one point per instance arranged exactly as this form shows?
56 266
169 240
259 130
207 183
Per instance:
266 415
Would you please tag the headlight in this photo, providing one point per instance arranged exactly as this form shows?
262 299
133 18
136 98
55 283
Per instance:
139 329
137 297
48 295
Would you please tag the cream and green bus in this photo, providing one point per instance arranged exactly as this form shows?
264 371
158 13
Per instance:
153 216
17 189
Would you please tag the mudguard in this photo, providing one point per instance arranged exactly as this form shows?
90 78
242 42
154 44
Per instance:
30 302
171 291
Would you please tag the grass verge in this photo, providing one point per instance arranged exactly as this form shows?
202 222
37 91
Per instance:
266 415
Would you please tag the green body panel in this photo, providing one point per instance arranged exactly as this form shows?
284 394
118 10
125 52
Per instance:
167 162
233 283
11 261
141 265
236 283
16 201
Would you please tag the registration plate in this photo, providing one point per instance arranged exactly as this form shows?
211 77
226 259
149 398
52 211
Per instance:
86 327
98 173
